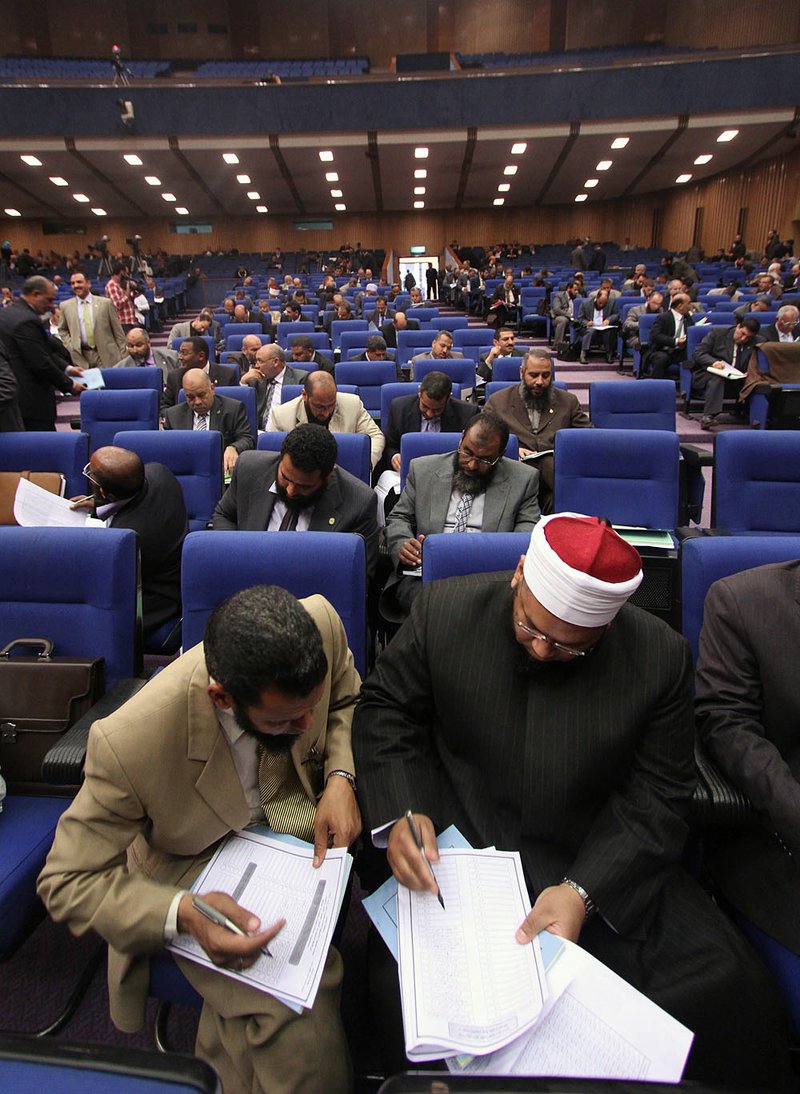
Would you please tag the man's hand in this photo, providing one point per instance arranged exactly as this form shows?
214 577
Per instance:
338 820
229 458
250 375
406 862
74 370
720 364
78 388
559 910
523 452
83 501
224 948
396 462
411 552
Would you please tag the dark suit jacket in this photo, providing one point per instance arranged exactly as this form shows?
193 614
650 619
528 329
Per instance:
37 361
662 332
222 375
770 333
717 345
346 505
404 417
586 313
158 516
389 332
228 417
10 417
321 362
565 413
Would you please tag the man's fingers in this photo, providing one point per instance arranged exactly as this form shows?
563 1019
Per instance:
527 929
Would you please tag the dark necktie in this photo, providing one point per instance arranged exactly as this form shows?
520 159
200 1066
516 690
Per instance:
289 522
268 403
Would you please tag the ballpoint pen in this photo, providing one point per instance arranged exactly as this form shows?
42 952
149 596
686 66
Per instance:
222 920
418 840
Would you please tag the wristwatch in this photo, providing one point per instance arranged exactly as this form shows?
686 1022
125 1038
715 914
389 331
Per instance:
345 775
589 905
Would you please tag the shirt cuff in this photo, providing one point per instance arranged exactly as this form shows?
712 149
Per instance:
171 925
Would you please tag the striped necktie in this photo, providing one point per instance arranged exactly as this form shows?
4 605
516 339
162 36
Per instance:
201 422
287 807
268 403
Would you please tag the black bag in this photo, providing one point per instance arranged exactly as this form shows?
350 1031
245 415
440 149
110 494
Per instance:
40 698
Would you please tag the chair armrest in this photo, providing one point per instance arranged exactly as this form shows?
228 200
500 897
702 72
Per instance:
696 457
63 764
716 802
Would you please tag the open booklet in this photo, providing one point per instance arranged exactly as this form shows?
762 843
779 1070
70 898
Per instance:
271 875
729 372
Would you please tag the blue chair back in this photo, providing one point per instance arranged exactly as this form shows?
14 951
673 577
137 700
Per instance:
67 453
390 392
614 405
412 342
106 413
450 322
472 336
175 344
194 458
757 481
368 377
88 608
331 563
483 554
289 330
233 343
244 394
426 317
353 455
432 444
508 368
354 339
628 476
228 329
125 378
460 372
338 326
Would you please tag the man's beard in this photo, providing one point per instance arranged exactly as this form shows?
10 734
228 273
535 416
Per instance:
300 502
324 422
470 484
533 401
277 744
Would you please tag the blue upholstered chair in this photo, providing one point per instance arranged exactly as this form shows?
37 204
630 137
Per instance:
614 405
412 342
66 453
353 454
106 413
368 377
460 372
479 553
150 376
757 481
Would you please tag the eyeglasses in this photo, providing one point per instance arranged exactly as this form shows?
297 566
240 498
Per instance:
87 474
465 452
570 650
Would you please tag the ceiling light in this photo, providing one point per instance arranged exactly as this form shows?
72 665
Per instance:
82 198
511 169
620 142
603 165
504 187
337 193
169 197
181 209
58 181
244 179
419 190
591 183
331 176
421 173
12 212
99 212
581 197
421 153
32 161
703 159
254 195
519 149
230 157
683 178
261 209
419 204
133 159
340 207
326 156
152 180
499 201
727 135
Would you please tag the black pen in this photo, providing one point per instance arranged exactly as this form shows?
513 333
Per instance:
222 920
418 840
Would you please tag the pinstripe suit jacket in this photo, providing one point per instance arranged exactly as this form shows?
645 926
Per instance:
586 768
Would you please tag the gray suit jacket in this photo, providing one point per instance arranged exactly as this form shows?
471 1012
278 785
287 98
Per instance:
510 505
346 505
109 336
164 358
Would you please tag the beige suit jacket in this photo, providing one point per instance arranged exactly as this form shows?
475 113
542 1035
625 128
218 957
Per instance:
348 417
109 337
160 792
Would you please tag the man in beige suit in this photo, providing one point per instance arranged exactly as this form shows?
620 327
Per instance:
173 773
321 404
90 328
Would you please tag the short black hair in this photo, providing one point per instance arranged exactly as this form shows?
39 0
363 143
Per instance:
117 268
436 384
311 447
752 324
375 342
199 345
491 424
302 341
263 638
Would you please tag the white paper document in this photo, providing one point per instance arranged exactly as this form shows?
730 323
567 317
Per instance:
729 372
598 1027
92 379
466 984
274 879
36 508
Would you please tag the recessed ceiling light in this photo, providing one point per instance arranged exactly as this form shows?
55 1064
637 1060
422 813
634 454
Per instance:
511 169
591 183
230 157
261 209
133 159
620 142
421 173
181 209
243 179
32 161
82 198
421 153
337 193
419 190
727 135
419 204
499 201
504 187
58 181
683 178
703 159
169 197
581 197
12 212
340 207
254 195
603 165
152 180
326 156
331 176
99 212
519 149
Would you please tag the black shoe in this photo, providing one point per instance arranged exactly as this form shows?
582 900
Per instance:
583 359
709 421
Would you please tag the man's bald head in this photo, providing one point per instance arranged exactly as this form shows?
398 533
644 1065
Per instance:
138 342
117 472
319 396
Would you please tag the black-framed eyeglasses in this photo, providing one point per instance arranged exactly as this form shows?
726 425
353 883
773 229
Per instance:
87 474
465 452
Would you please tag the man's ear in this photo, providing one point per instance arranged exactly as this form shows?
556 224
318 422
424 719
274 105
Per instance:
517 578
219 696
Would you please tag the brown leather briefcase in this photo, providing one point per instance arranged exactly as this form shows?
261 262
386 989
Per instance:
9 481
40 698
